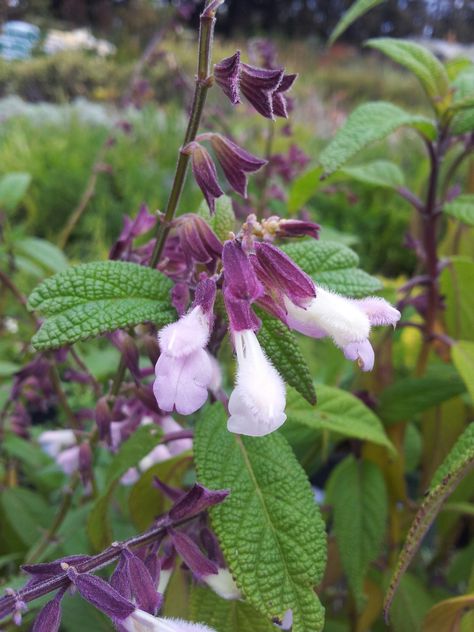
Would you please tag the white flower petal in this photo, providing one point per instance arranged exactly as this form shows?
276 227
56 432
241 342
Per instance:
186 335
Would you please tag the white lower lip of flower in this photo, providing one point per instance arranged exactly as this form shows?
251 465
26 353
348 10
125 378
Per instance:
52 441
332 315
223 584
257 403
189 333
140 621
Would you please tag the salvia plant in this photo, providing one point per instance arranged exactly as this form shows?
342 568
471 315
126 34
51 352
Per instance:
188 493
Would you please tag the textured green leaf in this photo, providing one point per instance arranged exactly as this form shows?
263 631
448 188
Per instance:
13 187
456 283
357 493
463 359
462 208
95 298
303 188
223 220
282 348
368 123
420 61
339 412
455 467
380 173
461 452
412 395
332 266
142 441
356 11
269 527
226 615
463 122
42 252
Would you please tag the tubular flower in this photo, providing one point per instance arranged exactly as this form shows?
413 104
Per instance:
346 321
264 88
205 174
141 621
257 403
184 371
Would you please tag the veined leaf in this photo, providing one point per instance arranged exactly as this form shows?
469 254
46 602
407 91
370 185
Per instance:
142 441
463 121
421 62
332 266
226 615
281 346
94 298
223 220
410 605
368 123
456 283
410 396
356 491
13 187
380 173
269 527
339 412
355 11
455 467
42 252
446 616
463 359
303 188
462 208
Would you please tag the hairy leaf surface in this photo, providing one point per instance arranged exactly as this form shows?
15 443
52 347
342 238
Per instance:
96 298
269 527
333 266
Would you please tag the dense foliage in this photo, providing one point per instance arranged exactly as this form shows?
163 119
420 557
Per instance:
286 486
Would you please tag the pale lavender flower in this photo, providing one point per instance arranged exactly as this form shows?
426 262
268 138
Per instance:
140 621
347 321
184 371
257 403
54 441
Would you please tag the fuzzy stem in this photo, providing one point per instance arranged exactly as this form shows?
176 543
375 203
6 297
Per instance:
95 563
203 82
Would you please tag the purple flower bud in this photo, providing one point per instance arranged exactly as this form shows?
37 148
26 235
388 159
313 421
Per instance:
85 462
286 277
126 345
180 301
101 595
198 564
197 239
241 288
279 102
226 74
235 162
195 501
205 174
258 86
143 222
276 227
49 617
132 579
103 418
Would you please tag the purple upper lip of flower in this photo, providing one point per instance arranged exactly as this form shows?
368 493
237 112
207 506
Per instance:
264 88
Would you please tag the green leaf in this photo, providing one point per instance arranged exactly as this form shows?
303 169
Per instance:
410 605
269 527
13 187
339 412
226 615
333 266
421 62
412 395
463 122
356 10
455 467
223 220
368 123
379 173
141 443
94 298
23 516
461 452
42 252
446 616
303 188
462 208
356 491
456 283
282 348
8 368
463 359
